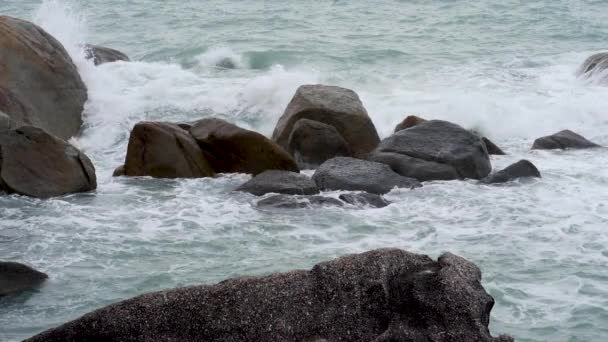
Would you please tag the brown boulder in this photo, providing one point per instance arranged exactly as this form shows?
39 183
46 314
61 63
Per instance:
39 83
229 148
334 106
410 121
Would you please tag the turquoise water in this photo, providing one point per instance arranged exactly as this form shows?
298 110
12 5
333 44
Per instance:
507 69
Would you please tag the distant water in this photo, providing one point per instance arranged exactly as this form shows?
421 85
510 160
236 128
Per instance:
506 68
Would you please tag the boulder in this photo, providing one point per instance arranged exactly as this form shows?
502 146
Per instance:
492 148
229 148
595 65
311 143
434 150
562 140
365 199
298 202
344 173
37 164
102 55
522 168
164 150
16 277
39 84
409 121
334 106
6 122
381 295
280 182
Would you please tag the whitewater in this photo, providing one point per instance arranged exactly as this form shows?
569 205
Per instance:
506 69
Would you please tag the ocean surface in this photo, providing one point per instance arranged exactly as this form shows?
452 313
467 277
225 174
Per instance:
506 68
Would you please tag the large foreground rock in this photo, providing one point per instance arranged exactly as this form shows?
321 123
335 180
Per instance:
280 182
595 66
344 173
382 295
16 277
229 148
521 169
562 140
434 150
163 150
101 55
37 164
39 83
311 143
334 106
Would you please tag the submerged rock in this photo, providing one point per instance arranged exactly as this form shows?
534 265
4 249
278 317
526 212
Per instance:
434 150
229 148
365 199
344 173
298 202
381 295
16 277
563 140
280 182
101 55
39 84
334 106
37 164
312 143
522 168
595 65
163 150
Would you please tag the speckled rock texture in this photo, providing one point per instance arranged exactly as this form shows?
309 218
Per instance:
521 169
16 277
101 55
39 84
565 139
334 106
280 182
381 295
37 164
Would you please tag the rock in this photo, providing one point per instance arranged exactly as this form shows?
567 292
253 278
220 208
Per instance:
229 148
365 199
522 168
344 173
492 148
37 164
6 122
226 63
410 121
334 106
119 171
102 55
313 142
40 85
434 150
16 277
280 182
381 295
298 202
164 150
562 140
595 65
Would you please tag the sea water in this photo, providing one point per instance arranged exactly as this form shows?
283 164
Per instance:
506 68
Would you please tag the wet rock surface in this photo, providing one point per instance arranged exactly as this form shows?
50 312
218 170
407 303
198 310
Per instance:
521 169
16 277
101 55
565 139
280 182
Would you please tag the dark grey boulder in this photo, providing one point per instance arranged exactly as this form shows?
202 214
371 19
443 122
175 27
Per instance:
280 182
492 148
595 66
381 295
101 55
311 143
298 202
434 150
39 84
365 199
6 122
37 164
16 277
565 139
521 169
344 173
334 106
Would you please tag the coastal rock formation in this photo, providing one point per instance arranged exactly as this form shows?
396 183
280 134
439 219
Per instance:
381 295
434 150
563 140
280 182
595 66
365 199
101 55
37 164
409 121
39 83
334 106
16 277
492 148
163 150
344 173
229 148
311 143
522 168
298 202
